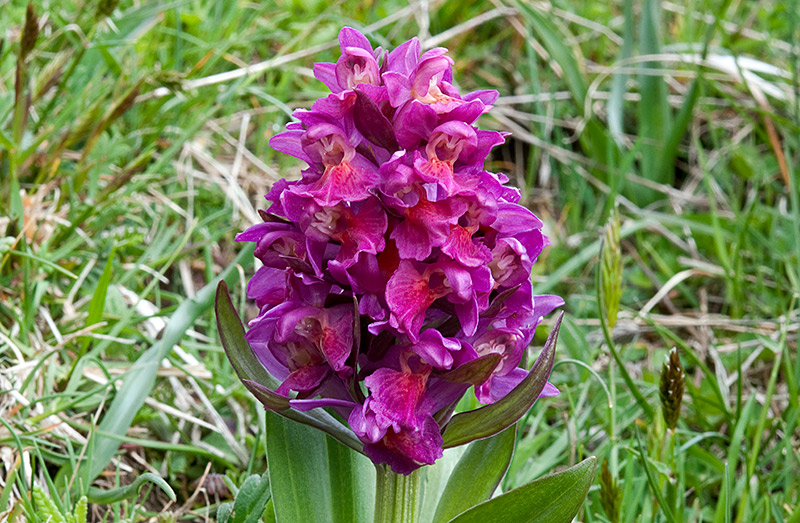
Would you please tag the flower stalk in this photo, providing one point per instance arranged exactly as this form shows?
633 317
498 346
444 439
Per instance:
397 496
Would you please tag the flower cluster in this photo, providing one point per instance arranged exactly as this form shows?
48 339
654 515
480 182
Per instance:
396 261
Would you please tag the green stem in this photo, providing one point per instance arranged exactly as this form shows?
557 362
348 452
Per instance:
397 497
646 407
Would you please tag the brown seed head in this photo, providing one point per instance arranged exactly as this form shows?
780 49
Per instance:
671 389
30 32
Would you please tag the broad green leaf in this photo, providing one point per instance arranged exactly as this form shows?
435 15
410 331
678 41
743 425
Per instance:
258 380
435 479
352 479
491 419
556 498
315 479
251 500
477 474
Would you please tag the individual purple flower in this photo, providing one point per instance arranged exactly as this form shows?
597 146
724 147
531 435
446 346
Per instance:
341 172
396 270
357 65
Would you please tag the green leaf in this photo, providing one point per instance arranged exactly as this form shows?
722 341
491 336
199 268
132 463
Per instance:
474 371
231 332
270 399
615 110
106 497
352 479
654 109
98 302
224 512
251 500
556 498
652 480
435 479
477 475
255 376
314 479
491 419
554 39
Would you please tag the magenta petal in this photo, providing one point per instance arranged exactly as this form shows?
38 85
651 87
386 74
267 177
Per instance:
403 59
357 66
397 395
349 37
304 379
362 421
257 231
513 218
549 391
544 304
407 450
336 339
427 73
397 87
289 142
467 314
408 296
413 123
268 286
259 337
461 247
346 181
426 225
488 97
413 241
435 349
466 112
364 232
326 73
288 324
497 387
335 106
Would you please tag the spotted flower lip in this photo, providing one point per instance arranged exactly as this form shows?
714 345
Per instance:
396 270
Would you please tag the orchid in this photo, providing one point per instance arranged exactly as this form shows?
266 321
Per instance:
396 270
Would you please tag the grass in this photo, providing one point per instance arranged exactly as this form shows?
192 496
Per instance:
133 145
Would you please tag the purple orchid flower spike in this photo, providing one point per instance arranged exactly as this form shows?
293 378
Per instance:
396 270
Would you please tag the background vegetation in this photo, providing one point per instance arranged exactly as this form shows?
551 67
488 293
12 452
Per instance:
133 146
